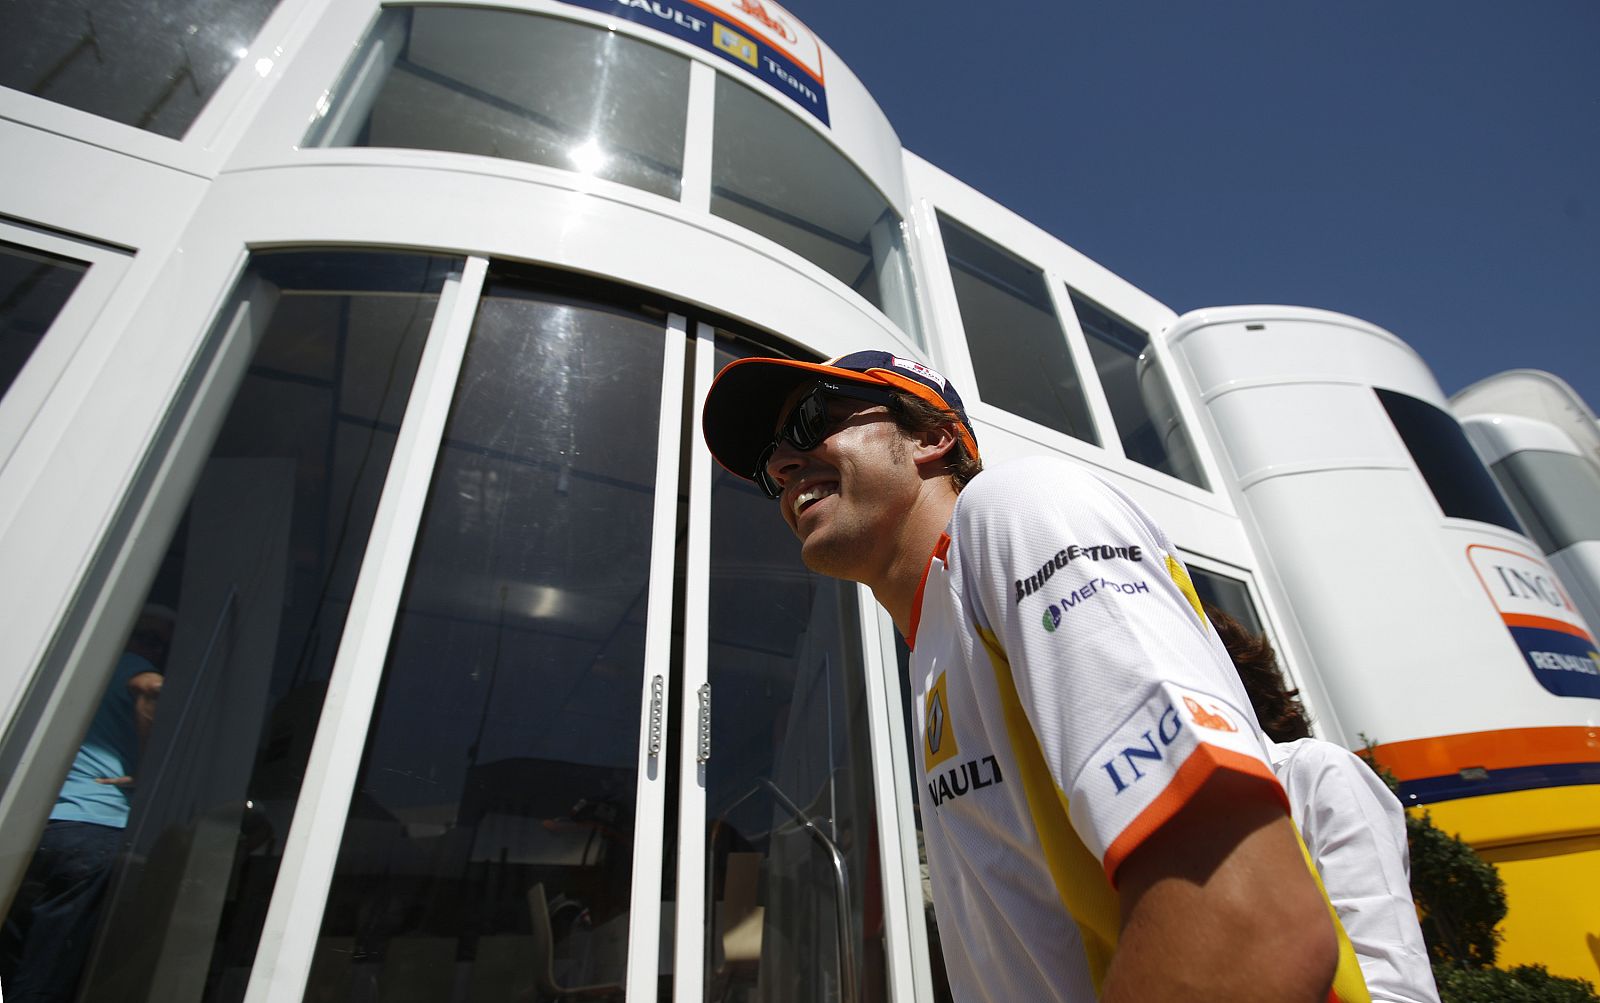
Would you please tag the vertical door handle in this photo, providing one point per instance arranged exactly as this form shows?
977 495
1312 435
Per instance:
656 688
704 753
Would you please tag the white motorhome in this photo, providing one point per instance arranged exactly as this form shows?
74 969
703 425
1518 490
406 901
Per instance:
363 345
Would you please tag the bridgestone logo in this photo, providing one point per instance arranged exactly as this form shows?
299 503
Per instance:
1104 552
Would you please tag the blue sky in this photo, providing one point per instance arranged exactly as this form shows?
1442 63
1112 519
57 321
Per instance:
1430 166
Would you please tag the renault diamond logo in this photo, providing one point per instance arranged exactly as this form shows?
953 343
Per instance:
938 738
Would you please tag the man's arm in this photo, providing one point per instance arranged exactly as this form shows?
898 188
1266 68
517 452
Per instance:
1218 904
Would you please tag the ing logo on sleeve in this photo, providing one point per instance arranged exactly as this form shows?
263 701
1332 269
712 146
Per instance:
938 737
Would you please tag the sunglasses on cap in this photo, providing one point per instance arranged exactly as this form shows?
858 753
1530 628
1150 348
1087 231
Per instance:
808 424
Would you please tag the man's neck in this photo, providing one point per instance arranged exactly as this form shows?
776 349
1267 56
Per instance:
896 589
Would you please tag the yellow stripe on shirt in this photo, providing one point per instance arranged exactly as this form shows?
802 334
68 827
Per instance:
1080 883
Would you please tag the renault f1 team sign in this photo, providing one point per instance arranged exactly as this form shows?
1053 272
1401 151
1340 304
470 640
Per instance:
1554 640
757 36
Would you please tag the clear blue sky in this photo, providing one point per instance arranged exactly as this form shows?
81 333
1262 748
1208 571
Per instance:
1430 166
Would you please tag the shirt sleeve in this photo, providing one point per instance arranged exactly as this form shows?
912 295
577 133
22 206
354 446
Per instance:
1130 695
1356 832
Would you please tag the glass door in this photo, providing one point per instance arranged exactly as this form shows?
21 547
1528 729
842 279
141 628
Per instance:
782 898
498 844
431 725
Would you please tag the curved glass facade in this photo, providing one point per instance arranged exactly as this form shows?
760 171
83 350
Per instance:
473 677
776 175
504 84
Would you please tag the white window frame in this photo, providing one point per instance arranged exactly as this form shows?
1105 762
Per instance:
37 378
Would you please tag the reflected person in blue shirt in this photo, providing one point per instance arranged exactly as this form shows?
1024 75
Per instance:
45 940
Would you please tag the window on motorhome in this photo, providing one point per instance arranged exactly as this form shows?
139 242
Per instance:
773 173
1019 351
1556 494
516 86
1142 405
1230 595
1458 479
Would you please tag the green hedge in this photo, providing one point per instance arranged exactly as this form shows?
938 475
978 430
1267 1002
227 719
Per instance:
1461 900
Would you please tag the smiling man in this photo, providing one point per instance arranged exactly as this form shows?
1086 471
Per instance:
1100 817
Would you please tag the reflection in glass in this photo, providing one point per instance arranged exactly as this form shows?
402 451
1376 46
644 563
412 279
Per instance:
150 65
774 174
34 286
239 632
1141 402
1557 496
518 86
789 746
491 831
1019 353
1227 594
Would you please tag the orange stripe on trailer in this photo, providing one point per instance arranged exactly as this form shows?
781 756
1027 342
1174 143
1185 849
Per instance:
1545 623
1509 748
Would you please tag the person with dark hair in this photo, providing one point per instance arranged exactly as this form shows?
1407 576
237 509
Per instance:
1352 824
1100 816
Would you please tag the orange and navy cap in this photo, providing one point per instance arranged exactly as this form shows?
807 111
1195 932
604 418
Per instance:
741 409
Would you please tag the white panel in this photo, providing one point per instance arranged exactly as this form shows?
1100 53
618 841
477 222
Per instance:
905 927
1273 430
644 934
27 392
1497 436
84 189
1406 640
1291 344
688 963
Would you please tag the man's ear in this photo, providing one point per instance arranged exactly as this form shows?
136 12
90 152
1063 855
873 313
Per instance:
932 446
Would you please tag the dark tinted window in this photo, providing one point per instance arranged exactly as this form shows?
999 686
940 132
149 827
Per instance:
1141 401
1446 460
1019 353
1227 594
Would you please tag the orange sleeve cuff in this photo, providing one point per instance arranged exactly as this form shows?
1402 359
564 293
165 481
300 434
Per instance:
1191 776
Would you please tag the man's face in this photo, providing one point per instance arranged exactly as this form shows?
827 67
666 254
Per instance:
845 498
151 638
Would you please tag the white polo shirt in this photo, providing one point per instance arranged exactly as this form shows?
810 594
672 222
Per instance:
1356 831
1072 698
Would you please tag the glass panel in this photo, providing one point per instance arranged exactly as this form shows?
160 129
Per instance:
1446 460
774 174
1556 494
34 286
488 850
150 65
1227 594
1141 401
789 744
155 887
1019 353
503 84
